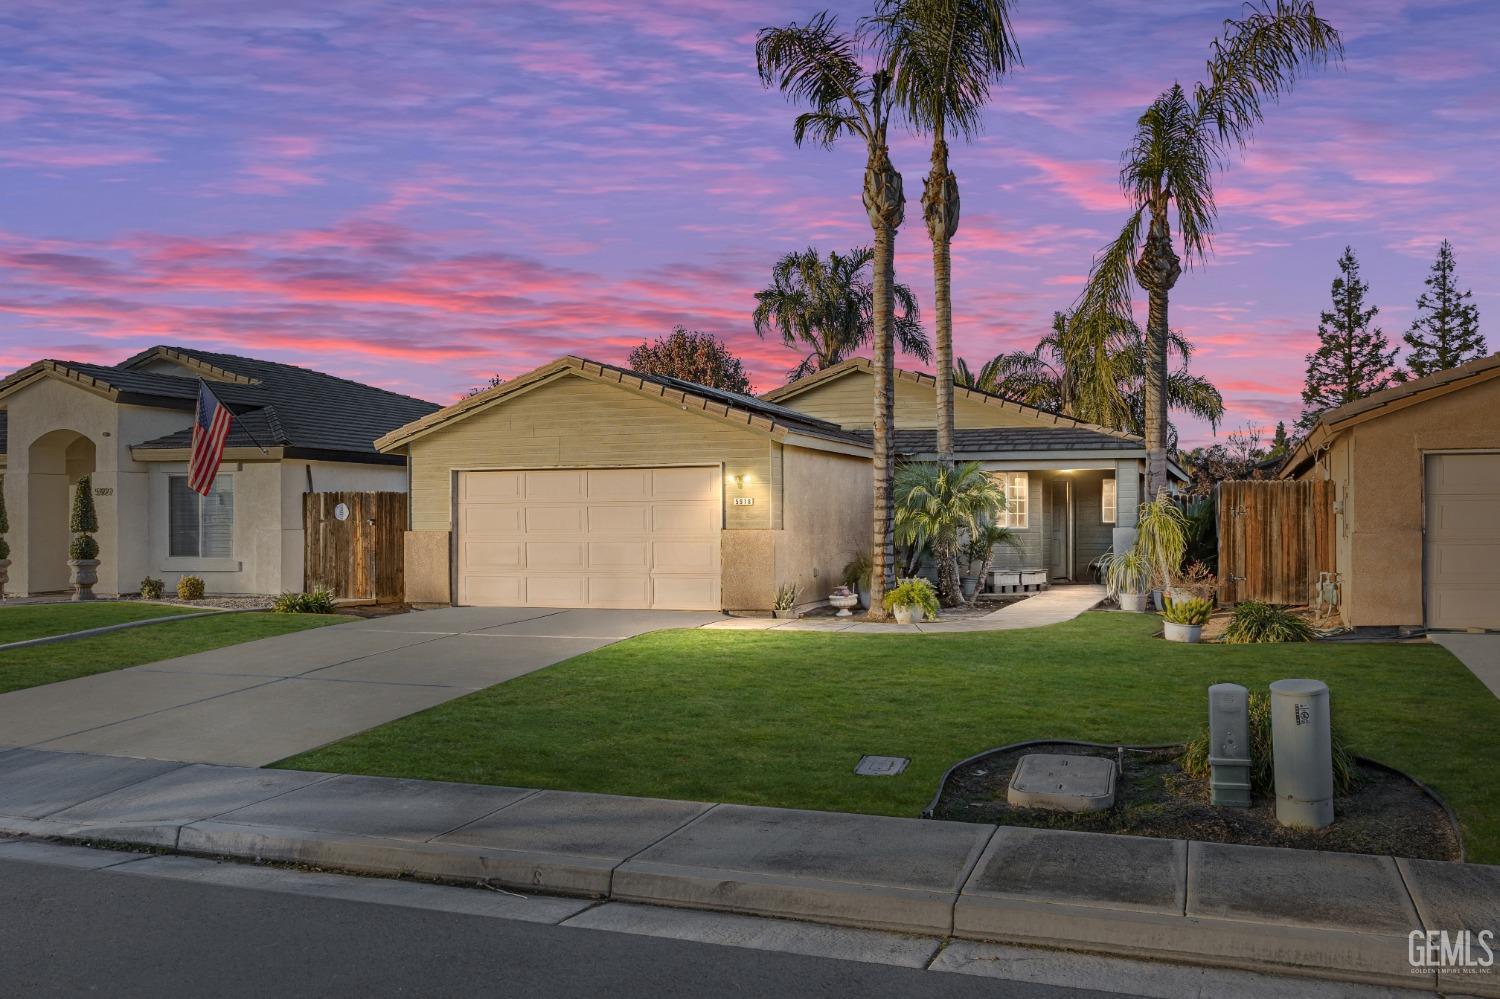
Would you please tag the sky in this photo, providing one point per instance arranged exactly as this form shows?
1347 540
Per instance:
421 195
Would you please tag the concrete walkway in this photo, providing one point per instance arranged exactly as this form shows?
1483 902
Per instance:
1054 606
263 701
1340 916
1481 653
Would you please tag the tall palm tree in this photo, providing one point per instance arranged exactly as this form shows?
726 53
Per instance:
943 55
1180 141
815 65
985 378
827 308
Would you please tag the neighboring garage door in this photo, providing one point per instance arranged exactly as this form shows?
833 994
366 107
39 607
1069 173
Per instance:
1462 550
590 537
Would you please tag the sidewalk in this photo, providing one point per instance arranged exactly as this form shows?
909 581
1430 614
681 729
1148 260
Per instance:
1333 915
1054 606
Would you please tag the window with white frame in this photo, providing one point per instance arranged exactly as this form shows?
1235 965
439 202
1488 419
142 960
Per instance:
1017 498
200 526
1107 501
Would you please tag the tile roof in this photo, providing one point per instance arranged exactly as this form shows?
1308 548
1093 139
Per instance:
983 441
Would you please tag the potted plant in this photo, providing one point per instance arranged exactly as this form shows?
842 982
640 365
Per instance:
912 598
857 577
1127 576
1162 540
1196 580
4 544
845 600
1183 620
83 550
786 600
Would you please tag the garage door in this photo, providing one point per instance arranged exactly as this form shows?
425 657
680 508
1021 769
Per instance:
1462 550
590 537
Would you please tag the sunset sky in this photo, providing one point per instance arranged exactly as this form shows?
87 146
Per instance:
419 195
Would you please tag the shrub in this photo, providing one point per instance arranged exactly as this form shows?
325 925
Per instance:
190 588
319 601
1193 610
1194 759
1162 539
83 546
1124 572
1197 579
918 593
786 596
857 571
1256 623
152 589
4 523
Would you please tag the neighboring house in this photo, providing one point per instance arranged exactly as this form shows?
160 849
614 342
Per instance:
129 426
586 484
1416 473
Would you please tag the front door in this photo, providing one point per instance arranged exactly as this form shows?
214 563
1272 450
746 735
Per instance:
1060 529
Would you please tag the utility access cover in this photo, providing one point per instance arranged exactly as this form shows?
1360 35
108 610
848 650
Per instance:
881 766
1063 783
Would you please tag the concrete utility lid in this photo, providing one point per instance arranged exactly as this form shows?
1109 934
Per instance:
1063 783
881 766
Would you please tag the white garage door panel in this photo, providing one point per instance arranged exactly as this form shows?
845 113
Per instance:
602 537
1462 550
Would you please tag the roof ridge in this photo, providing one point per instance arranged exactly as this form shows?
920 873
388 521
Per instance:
194 352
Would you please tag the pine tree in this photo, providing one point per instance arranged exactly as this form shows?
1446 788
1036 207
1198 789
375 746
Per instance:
1281 444
1445 333
1354 358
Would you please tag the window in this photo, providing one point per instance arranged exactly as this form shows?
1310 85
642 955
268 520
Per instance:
200 526
1017 498
1107 500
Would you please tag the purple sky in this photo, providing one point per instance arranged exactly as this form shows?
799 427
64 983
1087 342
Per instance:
421 195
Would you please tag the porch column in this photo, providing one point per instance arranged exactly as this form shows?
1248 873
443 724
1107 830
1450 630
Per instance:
1127 502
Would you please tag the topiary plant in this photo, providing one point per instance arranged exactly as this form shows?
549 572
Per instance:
152 589
1256 623
190 588
84 522
83 547
4 523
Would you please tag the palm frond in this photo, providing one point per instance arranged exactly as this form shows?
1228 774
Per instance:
1195 395
1112 274
814 64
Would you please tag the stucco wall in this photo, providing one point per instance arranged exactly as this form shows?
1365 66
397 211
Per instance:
428 567
1378 472
850 402
828 515
748 569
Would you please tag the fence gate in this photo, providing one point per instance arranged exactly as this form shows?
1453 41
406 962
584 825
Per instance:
1274 539
354 544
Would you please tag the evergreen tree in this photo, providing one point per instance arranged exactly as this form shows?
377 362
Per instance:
1281 444
1354 358
1445 333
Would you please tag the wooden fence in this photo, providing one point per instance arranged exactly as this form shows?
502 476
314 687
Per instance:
1274 539
355 544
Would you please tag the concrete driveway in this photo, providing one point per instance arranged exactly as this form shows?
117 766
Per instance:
259 702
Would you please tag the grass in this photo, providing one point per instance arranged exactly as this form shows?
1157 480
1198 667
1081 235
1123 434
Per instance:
781 718
21 668
17 624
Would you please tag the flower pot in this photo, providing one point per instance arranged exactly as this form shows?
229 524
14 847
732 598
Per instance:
905 614
1189 633
845 602
1134 602
864 595
788 614
84 574
969 585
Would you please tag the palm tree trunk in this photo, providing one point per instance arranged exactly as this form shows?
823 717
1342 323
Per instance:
940 210
1157 271
885 204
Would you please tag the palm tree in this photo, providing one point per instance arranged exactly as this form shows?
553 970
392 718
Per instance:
815 65
985 379
943 55
827 307
1180 141
936 505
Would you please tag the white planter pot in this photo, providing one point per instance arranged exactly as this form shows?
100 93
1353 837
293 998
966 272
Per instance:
1135 602
864 596
904 614
785 614
1189 633
844 602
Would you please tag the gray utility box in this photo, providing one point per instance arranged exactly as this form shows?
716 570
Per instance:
1303 753
1229 744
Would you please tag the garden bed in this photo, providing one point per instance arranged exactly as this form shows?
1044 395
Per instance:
1386 813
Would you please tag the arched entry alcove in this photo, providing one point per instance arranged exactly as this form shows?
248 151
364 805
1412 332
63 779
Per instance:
55 461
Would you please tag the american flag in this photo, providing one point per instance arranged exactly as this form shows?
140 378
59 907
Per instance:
210 427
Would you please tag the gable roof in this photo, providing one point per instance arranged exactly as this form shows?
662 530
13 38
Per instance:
985 441
1387 401
778 422
866 365
303 412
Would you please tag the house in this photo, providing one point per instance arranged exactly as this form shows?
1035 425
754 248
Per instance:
1416 474
583 484
129 426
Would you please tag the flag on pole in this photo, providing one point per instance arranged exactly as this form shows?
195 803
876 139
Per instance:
210 427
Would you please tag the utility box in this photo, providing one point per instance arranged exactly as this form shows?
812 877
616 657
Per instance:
1302 741
1229 744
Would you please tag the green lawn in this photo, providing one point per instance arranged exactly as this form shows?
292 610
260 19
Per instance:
41 664
17 624
781 718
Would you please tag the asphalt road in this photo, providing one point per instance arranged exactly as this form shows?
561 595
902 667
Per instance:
73 932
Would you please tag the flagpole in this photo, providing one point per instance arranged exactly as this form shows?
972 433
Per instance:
232 415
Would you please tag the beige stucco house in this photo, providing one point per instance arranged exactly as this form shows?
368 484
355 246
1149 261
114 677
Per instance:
586 484
1416 473
128 426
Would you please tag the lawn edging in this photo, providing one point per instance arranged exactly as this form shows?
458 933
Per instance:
106 629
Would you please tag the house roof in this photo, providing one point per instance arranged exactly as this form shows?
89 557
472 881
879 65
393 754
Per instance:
1388 401
304 412
758 414
987 441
